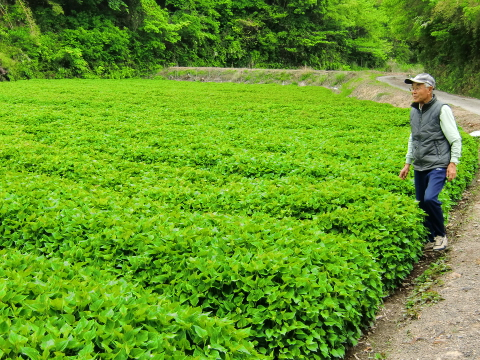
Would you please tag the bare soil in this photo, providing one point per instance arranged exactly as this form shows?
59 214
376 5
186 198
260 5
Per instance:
450 328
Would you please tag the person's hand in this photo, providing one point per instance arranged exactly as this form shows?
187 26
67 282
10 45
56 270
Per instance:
404 172
451 171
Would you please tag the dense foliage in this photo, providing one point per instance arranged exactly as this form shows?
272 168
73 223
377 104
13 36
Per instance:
116 38
120 39
444 35
276 210
53 309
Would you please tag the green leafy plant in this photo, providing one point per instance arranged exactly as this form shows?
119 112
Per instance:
277 208
52 308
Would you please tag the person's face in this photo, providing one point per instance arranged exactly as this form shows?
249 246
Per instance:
421 94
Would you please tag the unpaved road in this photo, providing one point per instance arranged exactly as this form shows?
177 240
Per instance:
469 104
449 329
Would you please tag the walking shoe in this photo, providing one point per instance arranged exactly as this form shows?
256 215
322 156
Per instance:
440 243
429 246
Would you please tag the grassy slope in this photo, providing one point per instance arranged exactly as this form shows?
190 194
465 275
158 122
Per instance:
360 84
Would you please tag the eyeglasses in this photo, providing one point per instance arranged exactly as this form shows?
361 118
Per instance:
415 89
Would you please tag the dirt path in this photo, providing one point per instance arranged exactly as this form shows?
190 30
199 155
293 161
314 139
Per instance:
469 104
450 328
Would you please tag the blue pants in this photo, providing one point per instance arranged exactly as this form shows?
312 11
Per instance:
428 185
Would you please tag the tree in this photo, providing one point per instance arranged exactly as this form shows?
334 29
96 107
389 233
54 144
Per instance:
444 36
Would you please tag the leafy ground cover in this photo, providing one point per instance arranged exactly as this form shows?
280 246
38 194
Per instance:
277 209
52 309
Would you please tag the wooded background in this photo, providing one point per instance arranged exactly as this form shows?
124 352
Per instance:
119 39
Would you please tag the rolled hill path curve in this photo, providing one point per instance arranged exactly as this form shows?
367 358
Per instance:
450 328
470 104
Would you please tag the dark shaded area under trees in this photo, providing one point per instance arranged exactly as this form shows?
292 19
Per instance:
119 39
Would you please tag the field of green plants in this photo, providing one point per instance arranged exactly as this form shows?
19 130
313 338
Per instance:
155 219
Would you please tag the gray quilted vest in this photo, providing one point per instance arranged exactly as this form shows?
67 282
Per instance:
430 147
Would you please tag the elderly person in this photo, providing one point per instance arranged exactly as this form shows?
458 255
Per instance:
434 149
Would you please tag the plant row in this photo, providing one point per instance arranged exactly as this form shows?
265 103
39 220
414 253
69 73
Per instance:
283 280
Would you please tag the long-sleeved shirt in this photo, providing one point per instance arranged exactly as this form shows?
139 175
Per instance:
450 130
